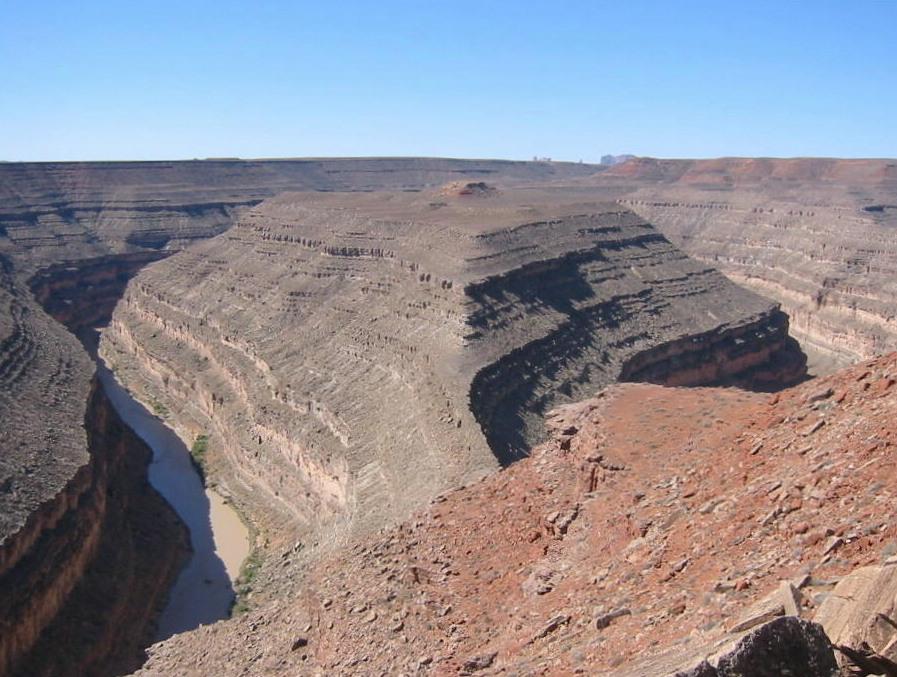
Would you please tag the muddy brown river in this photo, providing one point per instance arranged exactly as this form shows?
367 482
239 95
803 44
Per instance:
204 591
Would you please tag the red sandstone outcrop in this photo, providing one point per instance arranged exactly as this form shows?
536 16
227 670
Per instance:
654 529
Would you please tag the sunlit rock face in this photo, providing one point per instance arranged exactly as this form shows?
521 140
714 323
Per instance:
352 356
74 503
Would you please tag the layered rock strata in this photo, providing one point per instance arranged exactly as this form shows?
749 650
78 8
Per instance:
81 294
53 212
77 232
815 235
352 356
102 573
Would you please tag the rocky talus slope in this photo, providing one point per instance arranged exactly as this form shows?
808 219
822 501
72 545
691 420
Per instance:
350 357
814 234
653 530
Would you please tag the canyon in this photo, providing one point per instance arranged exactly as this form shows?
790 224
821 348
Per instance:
816 235
656 527
371 348
328 343
73 479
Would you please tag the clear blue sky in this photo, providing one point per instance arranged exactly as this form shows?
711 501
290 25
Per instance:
571 80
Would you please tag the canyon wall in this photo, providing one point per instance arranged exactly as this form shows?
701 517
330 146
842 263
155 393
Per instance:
90 588
82 294
652 531
352 356
87 549
59 211
815 235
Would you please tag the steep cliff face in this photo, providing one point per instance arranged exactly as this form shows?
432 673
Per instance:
815 235
757 355
352 356
628 307
77 232
84 598
82 294
88 550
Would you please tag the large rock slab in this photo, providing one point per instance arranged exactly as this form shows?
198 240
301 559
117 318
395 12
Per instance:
863 608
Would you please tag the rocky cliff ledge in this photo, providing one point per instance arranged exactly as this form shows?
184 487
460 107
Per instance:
60 211
77 232
351 356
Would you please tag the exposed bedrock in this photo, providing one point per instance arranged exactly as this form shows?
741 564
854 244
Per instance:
352 356
815 235
630 309
758 355
77 232
83 599
87 549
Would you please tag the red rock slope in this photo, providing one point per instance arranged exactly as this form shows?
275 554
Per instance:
633 542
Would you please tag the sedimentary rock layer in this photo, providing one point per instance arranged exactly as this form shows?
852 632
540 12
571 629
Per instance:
84 599
77 232
53 212
816 235
82 293
352 356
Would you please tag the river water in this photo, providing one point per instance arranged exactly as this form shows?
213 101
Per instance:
204 591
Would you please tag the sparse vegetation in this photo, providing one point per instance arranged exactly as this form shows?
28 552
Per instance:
243 586
159 409
198 455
